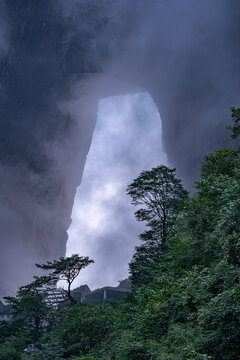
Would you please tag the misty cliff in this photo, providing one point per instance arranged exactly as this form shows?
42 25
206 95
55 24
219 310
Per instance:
58 58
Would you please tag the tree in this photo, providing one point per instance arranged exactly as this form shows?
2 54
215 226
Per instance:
66 269
236 123
162 196
14 346
28 310
82 328
48 350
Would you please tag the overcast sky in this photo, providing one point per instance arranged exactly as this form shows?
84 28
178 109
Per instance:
126 140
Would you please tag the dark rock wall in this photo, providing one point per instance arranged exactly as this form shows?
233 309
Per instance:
185 54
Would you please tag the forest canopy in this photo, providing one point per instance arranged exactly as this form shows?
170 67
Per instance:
185 297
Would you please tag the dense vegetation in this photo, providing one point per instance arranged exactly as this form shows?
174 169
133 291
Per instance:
185 301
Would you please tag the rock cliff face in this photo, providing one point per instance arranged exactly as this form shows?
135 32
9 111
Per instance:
57 58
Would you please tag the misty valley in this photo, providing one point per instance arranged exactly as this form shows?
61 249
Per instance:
181 300
119 180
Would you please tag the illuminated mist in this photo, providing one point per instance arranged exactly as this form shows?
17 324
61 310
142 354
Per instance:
126 140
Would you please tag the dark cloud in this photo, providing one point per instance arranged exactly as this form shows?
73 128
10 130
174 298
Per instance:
4 33
185 54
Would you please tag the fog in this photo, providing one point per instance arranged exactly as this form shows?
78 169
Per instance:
58 58
126 140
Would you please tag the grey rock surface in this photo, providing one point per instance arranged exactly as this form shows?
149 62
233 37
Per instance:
57 58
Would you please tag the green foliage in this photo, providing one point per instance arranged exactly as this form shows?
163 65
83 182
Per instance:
66 269
161 196
185 303
193 355
14 346
220 316
130 347
47 351
221 162
235 129
82 327
28 310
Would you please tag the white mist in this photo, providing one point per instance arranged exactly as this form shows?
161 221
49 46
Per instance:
127 140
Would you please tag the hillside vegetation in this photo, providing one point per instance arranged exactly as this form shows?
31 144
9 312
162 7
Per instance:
185 299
